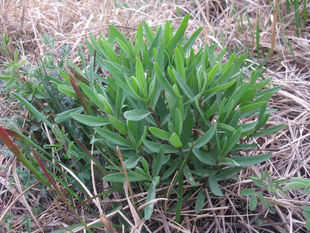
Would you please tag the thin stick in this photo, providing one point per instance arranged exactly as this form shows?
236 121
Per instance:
16 199
126 176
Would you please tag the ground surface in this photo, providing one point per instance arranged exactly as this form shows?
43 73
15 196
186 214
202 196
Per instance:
255 27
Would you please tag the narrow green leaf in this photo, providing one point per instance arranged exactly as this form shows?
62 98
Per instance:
178 122
141 77
192 40
175 140
214 186
227 127
164 83
252 106
120 177
6 77
269 130
247 192
233 140
206 137
182 84
66 115
204 157
154 147
118 125
159 160
189 176
149 35
159 133
132 161
33 110
253 202
297 183
136 115
92 95
220 87
113 138
180 64
245 161
179 34
200 200
92 121
150 196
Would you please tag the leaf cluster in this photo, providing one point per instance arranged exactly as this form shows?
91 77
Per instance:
170 109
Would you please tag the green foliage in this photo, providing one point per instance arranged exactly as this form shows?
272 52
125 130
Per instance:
268 186
265 183
169 108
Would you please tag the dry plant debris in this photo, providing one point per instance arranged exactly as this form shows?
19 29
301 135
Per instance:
242 26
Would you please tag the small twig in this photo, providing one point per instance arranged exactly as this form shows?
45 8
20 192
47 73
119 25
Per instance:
126 176
16 199
215 217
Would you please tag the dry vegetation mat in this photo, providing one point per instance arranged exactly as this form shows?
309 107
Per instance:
41 40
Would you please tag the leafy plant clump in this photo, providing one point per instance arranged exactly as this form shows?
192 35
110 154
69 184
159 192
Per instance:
175 113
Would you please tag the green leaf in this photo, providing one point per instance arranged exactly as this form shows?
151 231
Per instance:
66 115
252 106
297 183
191 40
6 77
178 122
187 128
227 173
262 199
158 161
136 115
220 87
154 147
182 84
120 177
92 121
235 137
163 82
189 176
159 133
269 130
180 64
245 161
145 166
206 137
179 34
149 35
150 196
227 127
247 192
204 157
123 45
200 200
33 110
175 140
141 77
253 202
67 90
92 95
118 125
132 161
113 138
214 186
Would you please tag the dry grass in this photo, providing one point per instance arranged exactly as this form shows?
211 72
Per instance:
232 24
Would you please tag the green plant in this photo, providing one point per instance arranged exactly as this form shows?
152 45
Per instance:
265 183
172 111
301 183
269 186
